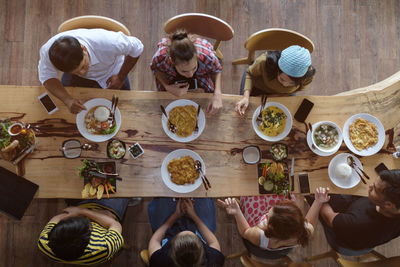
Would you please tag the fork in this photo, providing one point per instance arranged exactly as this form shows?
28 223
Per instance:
196 129
111 116
263 101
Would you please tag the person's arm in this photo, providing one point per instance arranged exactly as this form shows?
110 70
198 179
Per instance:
175 89
102 219
328 214
55 87
321 197
215 103
157 237
117 81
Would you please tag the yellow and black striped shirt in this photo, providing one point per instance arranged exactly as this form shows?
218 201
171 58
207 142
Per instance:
102 246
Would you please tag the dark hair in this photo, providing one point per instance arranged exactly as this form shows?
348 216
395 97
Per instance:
69 238
66 53
287 222
273 70
186 250
392 187
181 48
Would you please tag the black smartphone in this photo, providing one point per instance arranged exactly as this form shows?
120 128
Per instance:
48 103
303 111
381 167
192 83
304 184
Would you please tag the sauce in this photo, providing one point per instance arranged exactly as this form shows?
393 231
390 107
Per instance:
16 129
251 155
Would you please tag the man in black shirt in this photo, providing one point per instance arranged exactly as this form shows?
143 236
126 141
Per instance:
355 225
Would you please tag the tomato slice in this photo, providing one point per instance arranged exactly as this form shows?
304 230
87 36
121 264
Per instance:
104 125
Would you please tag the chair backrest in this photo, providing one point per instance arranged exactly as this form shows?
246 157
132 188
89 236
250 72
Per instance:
247 261
91 21
389 262
201 24
277 39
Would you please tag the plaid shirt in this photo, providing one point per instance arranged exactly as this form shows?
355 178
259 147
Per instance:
208 64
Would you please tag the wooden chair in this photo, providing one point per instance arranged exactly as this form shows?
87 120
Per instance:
201 24
247 261
90 22
387 262
337 257
273 39
144 255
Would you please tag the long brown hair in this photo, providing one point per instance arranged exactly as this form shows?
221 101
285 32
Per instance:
287 222
181 48
186 250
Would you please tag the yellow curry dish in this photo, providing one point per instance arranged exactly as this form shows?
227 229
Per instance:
184 118
273 121
182 170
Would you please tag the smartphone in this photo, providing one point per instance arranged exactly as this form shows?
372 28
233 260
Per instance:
192 83
304 184
48 103
303 111
381 167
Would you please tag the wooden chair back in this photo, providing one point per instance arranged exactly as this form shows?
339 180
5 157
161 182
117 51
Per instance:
91 21
247 261
273 39
144 255
389 262
201 24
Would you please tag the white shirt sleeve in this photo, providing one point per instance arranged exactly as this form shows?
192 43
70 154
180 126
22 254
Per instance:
128 45
46 70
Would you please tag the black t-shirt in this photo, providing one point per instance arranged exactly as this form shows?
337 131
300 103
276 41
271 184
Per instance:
361 226
161 258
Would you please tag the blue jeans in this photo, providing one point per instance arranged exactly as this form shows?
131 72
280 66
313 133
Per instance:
117 205
77 81
160 209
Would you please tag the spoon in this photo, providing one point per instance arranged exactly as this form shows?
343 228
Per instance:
312 144
172 126
84 147
354 164
263 101
196 129
197 166
351 163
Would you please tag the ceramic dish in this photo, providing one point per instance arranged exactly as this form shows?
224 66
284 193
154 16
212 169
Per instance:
336 146
345 183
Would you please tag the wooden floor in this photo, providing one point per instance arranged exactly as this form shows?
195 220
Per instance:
357 44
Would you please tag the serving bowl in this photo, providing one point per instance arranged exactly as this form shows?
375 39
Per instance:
333 148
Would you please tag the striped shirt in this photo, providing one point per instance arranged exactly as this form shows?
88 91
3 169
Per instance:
103 244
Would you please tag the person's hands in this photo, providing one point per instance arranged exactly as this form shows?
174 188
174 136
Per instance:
72 212
230 205
115 82
242 105
214 105
321 195
189 208
179 211
177 89
75 105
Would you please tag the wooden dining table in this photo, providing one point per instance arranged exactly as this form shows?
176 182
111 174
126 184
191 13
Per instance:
220 144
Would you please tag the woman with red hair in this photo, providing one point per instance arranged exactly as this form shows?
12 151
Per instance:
278 230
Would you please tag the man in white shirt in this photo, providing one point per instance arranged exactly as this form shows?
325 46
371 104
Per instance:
88 58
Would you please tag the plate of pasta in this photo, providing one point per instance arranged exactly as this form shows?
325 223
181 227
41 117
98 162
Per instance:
276 122
183 114
178 172
363 134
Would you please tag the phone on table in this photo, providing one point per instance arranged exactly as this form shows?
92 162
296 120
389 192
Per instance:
192 83
381 167
48 103
303 110
304 183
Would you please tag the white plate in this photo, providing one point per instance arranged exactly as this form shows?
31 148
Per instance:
80 120
201 123
350 182
315 150
166 176
371 150
288 125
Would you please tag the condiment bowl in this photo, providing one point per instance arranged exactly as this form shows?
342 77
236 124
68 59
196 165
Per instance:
333 148
251 154
15 129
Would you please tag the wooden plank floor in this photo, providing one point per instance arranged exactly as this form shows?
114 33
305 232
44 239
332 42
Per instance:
357 44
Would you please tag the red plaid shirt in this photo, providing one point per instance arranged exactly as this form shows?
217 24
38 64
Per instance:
208 64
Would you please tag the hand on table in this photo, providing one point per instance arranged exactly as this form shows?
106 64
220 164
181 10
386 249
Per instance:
214 105
230 205
321 195
75 105
177 89
115 82
242 105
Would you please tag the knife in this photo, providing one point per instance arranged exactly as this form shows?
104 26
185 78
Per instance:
292 174
24 154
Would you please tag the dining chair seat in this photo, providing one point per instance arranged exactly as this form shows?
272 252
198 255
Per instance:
273 39
203 25
91 22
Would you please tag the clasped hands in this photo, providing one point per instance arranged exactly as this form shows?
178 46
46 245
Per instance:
184 206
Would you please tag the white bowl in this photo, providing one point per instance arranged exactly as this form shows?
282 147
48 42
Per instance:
340 136
280 136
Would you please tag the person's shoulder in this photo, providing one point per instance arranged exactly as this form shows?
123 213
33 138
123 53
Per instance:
214 256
